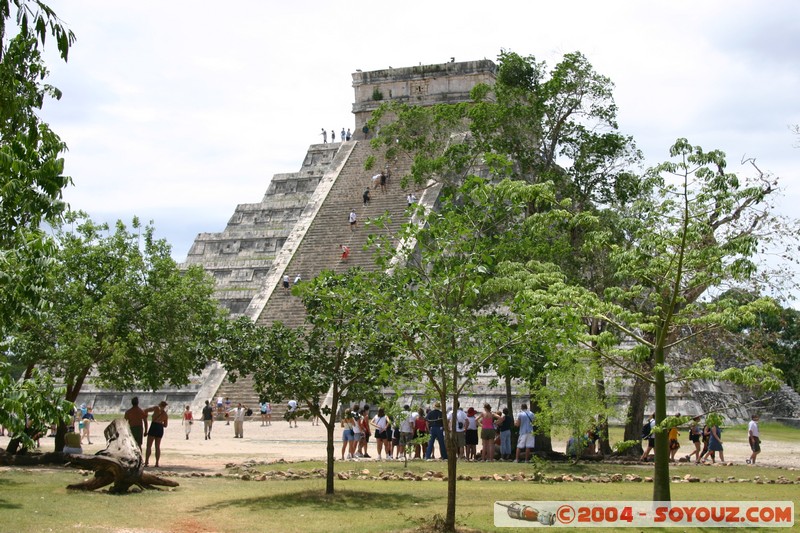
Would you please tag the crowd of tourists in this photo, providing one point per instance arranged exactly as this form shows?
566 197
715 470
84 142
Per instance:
417 432
706 439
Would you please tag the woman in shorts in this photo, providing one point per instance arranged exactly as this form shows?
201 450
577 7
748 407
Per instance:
155 432
471 435
383 433
348 435
486 420
695 435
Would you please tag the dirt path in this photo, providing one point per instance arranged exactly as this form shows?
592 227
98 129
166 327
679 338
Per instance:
278 441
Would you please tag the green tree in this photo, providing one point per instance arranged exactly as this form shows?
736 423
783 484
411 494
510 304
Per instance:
773 338
560 125
442 308
782 332
29 405
31 181
697 230
537 125
31 169
121 312
533 124
36 19
340 356
567 390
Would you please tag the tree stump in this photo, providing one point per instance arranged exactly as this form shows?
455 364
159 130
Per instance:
120 463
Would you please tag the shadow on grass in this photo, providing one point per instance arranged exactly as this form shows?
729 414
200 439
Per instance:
6 505
7 484
340 500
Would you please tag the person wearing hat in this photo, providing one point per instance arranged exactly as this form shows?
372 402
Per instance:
471 436
158 422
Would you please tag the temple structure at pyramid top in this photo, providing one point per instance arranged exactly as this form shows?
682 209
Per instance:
424 85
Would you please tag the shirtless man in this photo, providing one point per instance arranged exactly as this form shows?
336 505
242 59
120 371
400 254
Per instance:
137 419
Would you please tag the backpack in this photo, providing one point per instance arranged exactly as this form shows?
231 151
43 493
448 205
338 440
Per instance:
646 430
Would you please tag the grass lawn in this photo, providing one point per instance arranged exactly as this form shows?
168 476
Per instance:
35 499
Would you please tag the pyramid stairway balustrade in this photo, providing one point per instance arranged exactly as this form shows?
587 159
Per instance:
319 249
240 257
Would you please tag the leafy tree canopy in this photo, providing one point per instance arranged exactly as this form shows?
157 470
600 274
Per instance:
35 19
31 182
445 304
120 311
339 357
533 124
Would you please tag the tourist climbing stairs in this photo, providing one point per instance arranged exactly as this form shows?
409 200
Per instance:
319 249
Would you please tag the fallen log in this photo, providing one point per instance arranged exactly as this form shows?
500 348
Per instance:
34 459
119 463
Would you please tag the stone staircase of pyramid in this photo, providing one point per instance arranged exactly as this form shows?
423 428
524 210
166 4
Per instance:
320 250
318 247
240 257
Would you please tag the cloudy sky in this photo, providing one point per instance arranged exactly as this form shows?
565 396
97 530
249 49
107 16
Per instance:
177 111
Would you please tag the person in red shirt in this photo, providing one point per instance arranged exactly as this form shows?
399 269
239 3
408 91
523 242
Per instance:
187 421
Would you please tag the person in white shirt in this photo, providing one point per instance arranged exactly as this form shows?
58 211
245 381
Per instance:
238 421
461 428
753 437
383 429
291 413
353 219
527 441
407 417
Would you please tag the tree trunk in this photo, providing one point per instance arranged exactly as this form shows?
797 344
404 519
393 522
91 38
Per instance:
452 475
661 488
600 384
120 463
635 415
452 463
329 428
543 444
509 397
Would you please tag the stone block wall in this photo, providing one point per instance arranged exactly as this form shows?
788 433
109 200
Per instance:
423 85
240 257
